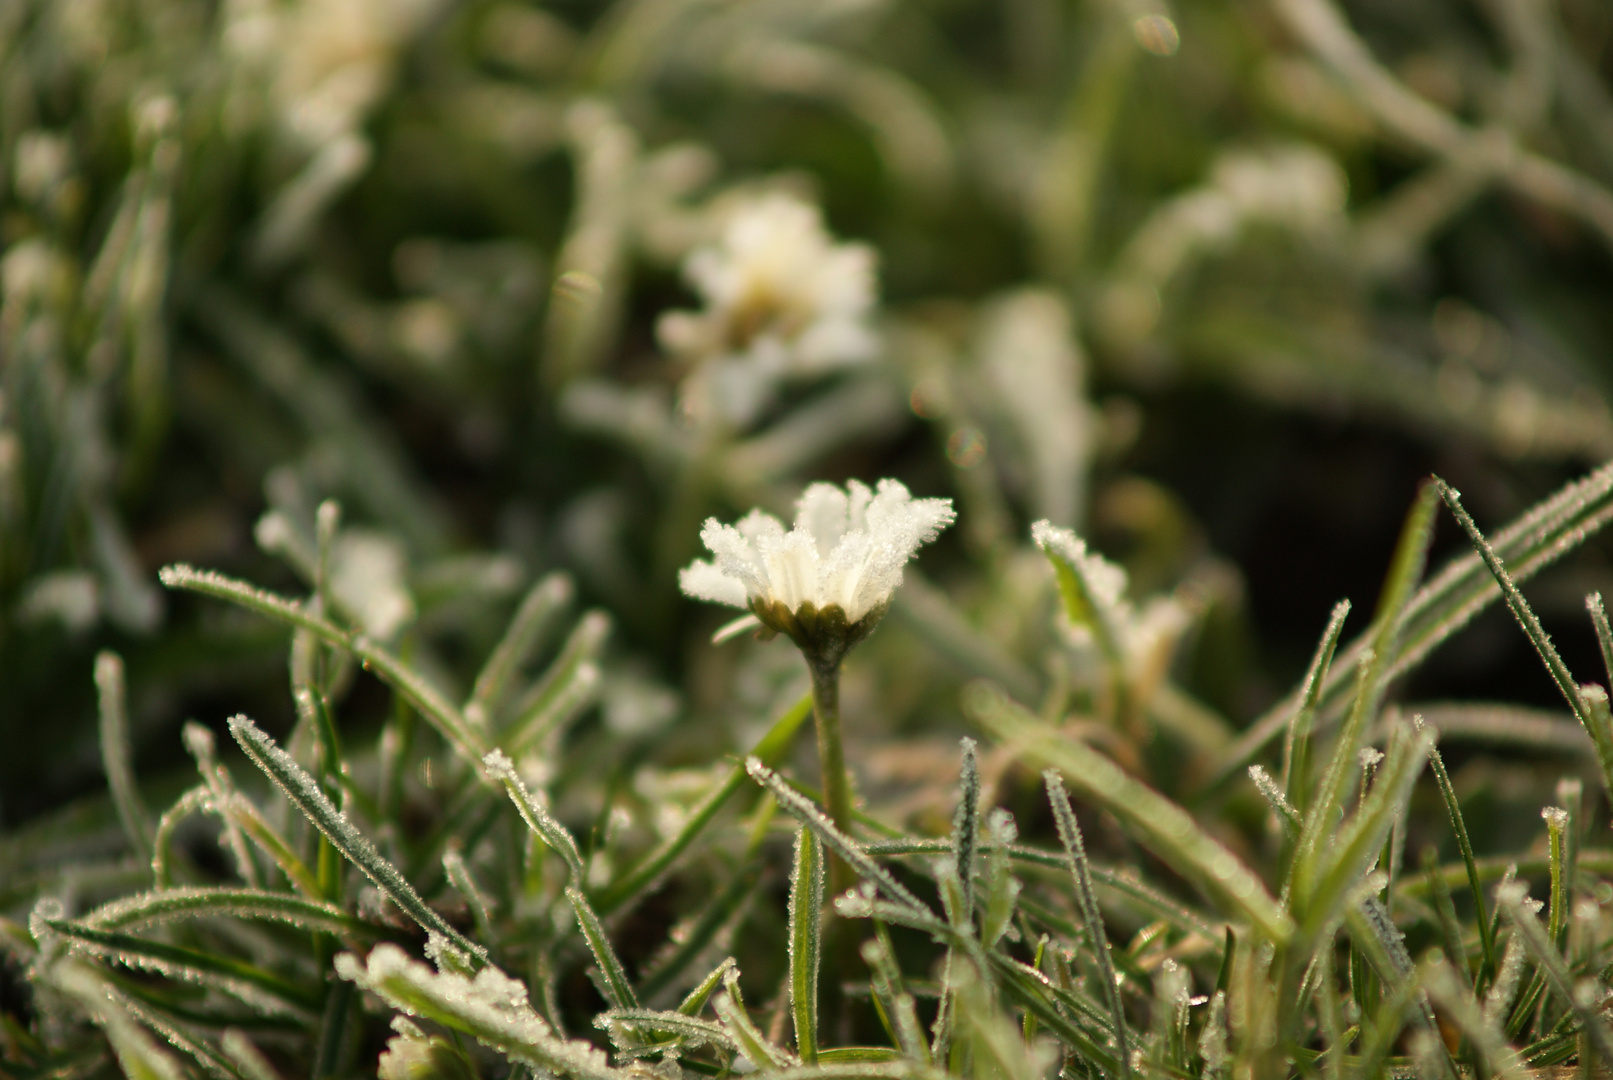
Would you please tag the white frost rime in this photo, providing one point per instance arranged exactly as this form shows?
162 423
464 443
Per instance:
847 549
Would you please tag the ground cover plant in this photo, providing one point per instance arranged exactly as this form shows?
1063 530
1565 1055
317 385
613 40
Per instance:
1062 397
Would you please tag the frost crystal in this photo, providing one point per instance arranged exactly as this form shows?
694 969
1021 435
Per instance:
833 573
781 298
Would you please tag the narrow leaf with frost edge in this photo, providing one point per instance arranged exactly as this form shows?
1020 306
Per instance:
1168 830
752 1043
305 793
1520 607
618 990
1464 844
807 812
1510 897
199 901
1373 665
117 757
387 667
1087 904
527 627
1296 748
547 829
237 977
1451 599
492 1009
1320 893
769 749
806 940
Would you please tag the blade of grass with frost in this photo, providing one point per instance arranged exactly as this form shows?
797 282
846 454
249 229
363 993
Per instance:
966 821
723 911
387 667
1033 992
195 801
1450 599
247 1059
1445 910
177 1034
1535 939
551 832
459 875
1519 606
1297 747
769 750
697 998
1280 806
1090 587
807 812
1157 903
492 1008
687 1030
1167 830
571 672
305 793
618 989
199 741
1087 904
896 1002
199 901
757 1048
1599 722
1320 894
117 757
236 977
1374 931
532 620
1455 1000
138 1055
806 940
1464 844
1411 551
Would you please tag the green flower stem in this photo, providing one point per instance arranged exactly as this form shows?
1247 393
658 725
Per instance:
831 751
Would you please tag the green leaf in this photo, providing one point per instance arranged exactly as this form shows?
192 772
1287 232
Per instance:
1165 828
806 940
306 794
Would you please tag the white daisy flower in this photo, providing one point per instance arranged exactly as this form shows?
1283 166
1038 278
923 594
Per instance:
781 299
828 580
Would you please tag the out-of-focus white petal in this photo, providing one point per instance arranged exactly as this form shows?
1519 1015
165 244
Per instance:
703 581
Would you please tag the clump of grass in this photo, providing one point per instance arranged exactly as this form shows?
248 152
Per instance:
974 953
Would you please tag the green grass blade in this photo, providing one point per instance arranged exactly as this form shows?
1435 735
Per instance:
618 988
1586 1005
807 812
1519 606
769 749
1087 904
387 667
966 822
117 756
197 901
180 961
551 832
697 998
306 794
1165 828
532 620
761 1051
1297 747
1453 808
806 940
1451 599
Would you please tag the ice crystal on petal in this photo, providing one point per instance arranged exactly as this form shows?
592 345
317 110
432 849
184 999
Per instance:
846 551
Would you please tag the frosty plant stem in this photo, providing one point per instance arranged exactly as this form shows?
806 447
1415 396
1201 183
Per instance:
831 750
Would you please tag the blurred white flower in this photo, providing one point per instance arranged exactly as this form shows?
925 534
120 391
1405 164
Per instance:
827 581
781 299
